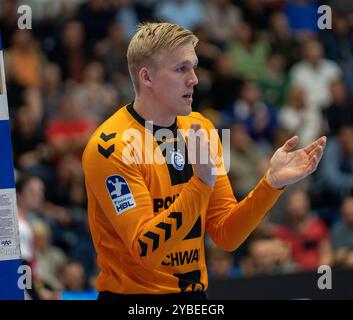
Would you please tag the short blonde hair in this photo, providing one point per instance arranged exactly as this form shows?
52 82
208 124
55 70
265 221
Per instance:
149 40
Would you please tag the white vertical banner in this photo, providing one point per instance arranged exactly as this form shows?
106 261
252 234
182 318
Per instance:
10 256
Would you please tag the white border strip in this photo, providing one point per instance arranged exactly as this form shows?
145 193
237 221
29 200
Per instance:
4 111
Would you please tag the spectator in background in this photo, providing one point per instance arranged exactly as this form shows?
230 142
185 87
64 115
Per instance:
30 149
299 118
334 179
341 6
73 278
267 256
30 200
342 235
255 13
249 52
274 81
281 39
23 58
338 44
226 85
112 55
247 162
221 264
126 16
8 21
30 196
223 18
259 118
99 97
72 234
302 16
43 15
307 234
51 90
145 9
187 13
73 52
207 55
68 132
315 73
48 257
96 16
338 40
341 108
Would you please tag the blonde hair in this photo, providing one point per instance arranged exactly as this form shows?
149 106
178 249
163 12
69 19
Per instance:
149 40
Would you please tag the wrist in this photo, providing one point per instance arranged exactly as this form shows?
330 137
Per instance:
272 181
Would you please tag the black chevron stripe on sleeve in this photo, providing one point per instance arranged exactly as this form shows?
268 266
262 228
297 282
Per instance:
106 152
143 246
178 217
154 237
167 228
107 137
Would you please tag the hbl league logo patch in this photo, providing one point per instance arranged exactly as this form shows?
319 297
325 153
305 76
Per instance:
120 194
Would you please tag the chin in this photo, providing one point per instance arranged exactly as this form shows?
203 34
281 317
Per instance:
185 110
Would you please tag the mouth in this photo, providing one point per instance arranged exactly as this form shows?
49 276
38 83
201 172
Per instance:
188 97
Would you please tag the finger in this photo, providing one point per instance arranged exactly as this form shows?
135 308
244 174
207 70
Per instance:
313 164
194 140
321 141
291 143
195 126
317 153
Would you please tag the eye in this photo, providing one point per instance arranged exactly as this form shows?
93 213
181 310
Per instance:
181 69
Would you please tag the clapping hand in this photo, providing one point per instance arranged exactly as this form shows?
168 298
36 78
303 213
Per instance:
288 166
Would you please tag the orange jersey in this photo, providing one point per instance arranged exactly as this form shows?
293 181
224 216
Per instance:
148 220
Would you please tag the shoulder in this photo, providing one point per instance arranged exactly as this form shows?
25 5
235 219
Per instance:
106 139
195 117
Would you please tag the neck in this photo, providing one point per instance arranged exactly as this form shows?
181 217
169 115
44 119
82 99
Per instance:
149 111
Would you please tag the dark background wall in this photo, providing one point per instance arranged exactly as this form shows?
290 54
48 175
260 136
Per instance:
294 286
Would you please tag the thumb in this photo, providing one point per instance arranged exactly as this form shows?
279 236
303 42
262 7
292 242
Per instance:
291 143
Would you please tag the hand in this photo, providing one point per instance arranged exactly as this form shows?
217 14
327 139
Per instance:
288 166
203 164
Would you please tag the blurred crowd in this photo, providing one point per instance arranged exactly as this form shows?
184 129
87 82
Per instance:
265 71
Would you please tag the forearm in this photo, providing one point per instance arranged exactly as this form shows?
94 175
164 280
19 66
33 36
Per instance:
155 238
230 229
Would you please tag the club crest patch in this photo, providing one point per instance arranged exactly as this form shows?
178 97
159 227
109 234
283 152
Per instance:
177 160
120 193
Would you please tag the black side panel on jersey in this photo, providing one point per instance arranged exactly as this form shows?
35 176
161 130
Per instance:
177 176
195 231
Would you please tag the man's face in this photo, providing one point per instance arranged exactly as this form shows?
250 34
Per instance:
173 80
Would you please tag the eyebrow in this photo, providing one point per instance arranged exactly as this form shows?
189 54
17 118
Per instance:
187 62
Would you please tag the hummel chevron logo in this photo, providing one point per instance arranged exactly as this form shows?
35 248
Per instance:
167 228
143 246
108 137
106 152
178 217
154 237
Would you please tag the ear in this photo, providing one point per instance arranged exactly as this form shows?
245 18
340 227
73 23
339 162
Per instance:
145 77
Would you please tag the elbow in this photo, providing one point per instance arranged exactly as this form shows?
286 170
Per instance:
149 263
144 258
226 246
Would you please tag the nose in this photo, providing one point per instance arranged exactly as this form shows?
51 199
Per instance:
193 80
